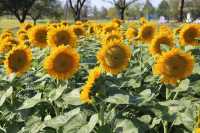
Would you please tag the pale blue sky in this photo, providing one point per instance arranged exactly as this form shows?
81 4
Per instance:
100 3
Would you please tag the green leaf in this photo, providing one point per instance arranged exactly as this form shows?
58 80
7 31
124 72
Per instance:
183 86
73 125
62 119
72 98
7 94
90 126
31 102
128 126
56 93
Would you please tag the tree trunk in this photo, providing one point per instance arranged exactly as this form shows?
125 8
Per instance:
34 21
122 14
181 11
78 16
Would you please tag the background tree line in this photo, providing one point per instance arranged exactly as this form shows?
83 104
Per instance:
83 9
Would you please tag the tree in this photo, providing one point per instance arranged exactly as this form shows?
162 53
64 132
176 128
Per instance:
134 11
181 10
95 12
174 11
43 8
121 6
103 12
76 7
148 9
161 11
193 7
18 8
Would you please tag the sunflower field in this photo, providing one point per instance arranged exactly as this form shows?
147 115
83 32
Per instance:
91 77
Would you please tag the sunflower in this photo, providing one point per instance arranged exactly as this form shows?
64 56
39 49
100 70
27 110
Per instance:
131 33
7 44
117 21
109 28
173 66
166 29
78 22
26 26
64 23
114 57
189 34
78 30
5 35
21 31
61 36
112 37
162 38
38 36
94 74
18 60
62 63
147 32
143 20
22 37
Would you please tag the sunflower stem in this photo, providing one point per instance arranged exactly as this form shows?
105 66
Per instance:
165 126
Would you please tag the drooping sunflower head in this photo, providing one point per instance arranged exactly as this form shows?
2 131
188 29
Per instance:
147 32
161 39
189 34
131 33
18 60
78 30
38 36
62 63
112 37
61 36
114 57
85 95
7 44
173 66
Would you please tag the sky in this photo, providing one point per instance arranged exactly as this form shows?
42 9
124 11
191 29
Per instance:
100 3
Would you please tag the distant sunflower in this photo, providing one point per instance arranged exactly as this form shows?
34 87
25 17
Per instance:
26 26
61 36
114 57
38 36
22 37
78 30
147 32
62 63
109 28
5 35
64 23
131 33
143 20
189 33
117 21
94 74
162 38
18 60
7 44
173 66
112 37
78 22
21 31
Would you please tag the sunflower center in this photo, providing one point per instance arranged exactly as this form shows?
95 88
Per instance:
147 33
17 60
62 62
114 56
190 35
41 36
175 65
112 37
62 37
